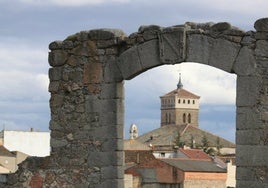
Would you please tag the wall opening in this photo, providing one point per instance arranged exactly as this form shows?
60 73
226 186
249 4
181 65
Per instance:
217 89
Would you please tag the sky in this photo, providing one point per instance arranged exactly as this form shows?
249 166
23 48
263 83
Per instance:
28 26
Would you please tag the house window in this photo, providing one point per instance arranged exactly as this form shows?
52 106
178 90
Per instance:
193 101
183 101
162 154
179 101
188 101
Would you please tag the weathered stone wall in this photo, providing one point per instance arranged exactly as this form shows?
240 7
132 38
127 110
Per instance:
87 95
87 113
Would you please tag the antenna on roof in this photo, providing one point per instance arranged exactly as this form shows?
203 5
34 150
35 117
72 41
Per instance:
179 85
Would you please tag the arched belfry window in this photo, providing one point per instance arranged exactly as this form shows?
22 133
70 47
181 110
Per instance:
184 118
189 118
166 118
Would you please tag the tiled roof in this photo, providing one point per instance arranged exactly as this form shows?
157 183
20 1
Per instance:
162 136
182 93
142 156
166 135
194 165
195 154
133 144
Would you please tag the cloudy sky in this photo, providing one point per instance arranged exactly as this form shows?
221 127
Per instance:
28 26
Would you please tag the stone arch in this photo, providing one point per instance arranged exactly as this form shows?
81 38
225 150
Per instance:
226 48
87 74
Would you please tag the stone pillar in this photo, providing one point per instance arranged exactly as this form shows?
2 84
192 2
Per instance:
252 109
87 109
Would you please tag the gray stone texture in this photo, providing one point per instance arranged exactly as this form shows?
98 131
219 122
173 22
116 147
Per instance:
247 91
256 156
129 63
261 24
218 53
87 98
245 63
172 45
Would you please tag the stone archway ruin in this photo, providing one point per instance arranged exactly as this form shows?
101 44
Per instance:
87 98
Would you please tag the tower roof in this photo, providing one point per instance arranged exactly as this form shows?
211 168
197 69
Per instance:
182 93
179 85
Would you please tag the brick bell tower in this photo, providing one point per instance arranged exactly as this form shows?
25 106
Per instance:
179 107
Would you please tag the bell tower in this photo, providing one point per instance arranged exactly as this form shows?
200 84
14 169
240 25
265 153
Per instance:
179 107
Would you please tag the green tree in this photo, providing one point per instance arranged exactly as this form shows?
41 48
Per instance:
178 141
205 146
192 144
218 146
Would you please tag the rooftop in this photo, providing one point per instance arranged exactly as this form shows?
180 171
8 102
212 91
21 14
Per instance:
166 135
189 165
182 93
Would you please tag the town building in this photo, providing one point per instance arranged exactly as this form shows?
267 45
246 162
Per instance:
179 107
9 160
32 143
194 170
173 154
133 131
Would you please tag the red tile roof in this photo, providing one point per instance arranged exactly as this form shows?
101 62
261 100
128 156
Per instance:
195 154
138 156
182 93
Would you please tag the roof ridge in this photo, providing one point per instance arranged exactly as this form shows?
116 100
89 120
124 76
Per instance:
185 128
211 134
182 92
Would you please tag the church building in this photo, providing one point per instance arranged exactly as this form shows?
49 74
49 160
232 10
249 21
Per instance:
179 107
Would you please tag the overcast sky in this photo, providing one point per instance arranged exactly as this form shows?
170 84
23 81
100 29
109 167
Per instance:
28 26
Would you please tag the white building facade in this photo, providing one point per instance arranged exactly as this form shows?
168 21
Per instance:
28 142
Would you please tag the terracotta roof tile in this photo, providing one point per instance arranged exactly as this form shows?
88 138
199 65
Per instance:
182 93
133 144
138 156
195 154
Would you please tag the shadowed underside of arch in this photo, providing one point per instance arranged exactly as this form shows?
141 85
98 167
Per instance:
87 98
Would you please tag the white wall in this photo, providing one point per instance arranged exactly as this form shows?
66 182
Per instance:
167 154
128 181
231 169
30 143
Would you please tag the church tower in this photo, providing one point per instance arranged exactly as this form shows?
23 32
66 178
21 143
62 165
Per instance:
179 107
133 131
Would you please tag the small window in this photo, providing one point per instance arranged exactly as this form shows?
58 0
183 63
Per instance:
162 154
179 101
189 118
193 101
166 118
184 118
188 101
183 101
